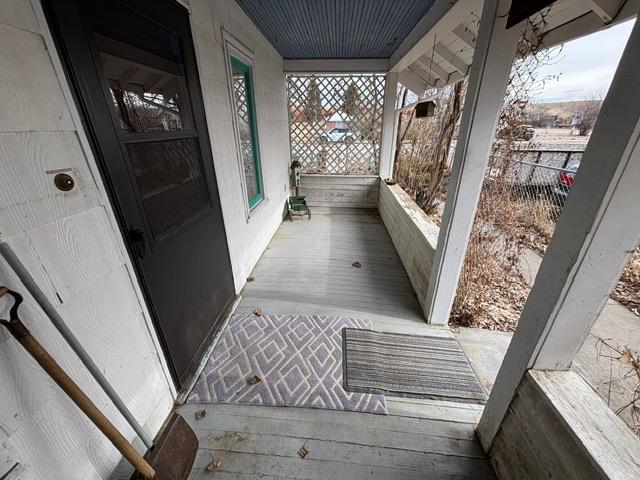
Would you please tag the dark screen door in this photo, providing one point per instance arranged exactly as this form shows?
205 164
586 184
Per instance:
133 67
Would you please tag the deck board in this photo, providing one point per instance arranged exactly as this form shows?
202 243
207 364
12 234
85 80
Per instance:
307 269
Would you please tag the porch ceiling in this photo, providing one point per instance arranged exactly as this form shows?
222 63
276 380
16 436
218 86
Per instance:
344 29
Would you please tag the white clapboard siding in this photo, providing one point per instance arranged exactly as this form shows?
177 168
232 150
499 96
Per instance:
246 237
38 105
29 162
70 244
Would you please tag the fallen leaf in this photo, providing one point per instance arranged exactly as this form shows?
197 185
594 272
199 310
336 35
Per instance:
356 264
258 312
303 452
200 414
626 357
254 380
214 466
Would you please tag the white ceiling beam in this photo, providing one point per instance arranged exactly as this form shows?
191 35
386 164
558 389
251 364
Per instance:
466 35
429 63
451 58
606 9
413 82
332 65
442 18
430 19
586 24
422 72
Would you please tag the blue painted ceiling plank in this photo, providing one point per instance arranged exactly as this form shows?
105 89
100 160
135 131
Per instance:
335 28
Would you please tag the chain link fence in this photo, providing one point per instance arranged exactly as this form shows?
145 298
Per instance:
335 122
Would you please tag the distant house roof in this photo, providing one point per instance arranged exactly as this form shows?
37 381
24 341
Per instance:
340 117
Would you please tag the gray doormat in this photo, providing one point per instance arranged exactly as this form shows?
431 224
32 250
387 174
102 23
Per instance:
282 360
408 366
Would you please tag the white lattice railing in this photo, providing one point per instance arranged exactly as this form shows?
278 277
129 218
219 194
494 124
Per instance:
335 122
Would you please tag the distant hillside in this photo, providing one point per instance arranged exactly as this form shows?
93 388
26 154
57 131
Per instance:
559 113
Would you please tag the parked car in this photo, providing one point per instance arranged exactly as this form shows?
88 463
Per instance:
565 180
339 135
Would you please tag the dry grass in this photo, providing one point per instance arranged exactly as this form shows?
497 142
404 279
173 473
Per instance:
627 291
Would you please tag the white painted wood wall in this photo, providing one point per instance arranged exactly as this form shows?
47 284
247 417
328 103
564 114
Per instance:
557 427
247 238
414 235
354 191
71 245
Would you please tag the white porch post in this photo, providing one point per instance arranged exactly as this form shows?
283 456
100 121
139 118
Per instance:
488 78
598 230
387 149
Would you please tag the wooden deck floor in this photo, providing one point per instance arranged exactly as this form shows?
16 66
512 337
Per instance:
308 269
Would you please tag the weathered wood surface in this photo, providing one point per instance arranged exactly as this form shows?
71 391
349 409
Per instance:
307 268
262 442
340 190
414 235
557 427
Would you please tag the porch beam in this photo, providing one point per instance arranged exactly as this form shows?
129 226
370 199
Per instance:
439 21
419 70
413 82
466 35
429 63
595 235
586 24
607 10
389 119
451 58
488 78
330 65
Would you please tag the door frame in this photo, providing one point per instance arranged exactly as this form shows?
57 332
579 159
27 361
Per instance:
89 126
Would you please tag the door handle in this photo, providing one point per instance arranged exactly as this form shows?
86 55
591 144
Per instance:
138 241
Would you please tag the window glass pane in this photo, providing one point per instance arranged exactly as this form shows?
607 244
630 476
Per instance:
245 130
170 180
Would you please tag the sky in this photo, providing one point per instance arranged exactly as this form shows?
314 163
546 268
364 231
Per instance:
585 65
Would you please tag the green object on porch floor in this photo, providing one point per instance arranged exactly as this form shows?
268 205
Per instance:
298 206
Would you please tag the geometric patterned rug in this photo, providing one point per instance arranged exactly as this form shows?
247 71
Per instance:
282 360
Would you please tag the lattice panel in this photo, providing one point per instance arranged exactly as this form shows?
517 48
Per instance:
335 122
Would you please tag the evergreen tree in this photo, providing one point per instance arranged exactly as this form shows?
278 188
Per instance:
313 105
351 99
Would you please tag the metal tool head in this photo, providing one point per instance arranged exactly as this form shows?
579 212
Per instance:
175 451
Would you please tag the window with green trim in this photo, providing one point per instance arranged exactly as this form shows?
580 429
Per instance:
245 120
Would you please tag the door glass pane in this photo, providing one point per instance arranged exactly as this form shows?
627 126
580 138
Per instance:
244 123
170 181
148 91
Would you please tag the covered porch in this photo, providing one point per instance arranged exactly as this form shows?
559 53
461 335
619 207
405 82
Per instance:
308 268
368 251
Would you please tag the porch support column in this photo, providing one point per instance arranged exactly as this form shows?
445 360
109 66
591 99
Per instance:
597 232
387 149
488 78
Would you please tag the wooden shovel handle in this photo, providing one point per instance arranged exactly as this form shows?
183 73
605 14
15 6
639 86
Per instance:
49 365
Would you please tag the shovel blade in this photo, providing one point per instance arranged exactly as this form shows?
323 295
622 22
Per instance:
175 451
